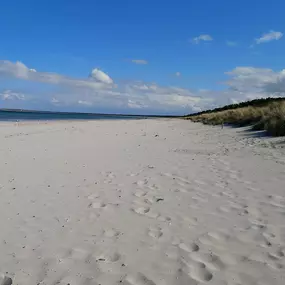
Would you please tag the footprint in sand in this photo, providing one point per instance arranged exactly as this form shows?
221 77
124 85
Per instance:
164 219
141 210
153 187
110 262
137 279
153 199
110 233
215 239
97 205
145 211
271 259
212 261
253 236
197 271
149 200
108 257
200 273
140 193
93 196
142 183
109 174
155 232
189 247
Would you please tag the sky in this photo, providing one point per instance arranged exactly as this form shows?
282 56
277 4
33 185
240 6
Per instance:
140 57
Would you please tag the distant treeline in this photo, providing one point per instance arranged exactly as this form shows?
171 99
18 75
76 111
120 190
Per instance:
253 103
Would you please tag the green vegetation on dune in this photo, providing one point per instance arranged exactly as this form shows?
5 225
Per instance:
263 114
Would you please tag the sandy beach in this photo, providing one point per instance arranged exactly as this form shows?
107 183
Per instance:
140 202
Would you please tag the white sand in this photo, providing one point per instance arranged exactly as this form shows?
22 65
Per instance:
140 203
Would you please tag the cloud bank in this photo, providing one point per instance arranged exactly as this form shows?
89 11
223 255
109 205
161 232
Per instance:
99 92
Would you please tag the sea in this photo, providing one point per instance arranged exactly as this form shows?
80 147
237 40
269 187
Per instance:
17 116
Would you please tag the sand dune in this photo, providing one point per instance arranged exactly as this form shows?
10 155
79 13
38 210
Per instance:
147 202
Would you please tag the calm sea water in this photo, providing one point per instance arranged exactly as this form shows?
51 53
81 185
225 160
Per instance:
32 116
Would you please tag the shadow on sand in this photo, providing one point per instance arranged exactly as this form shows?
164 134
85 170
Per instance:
250 133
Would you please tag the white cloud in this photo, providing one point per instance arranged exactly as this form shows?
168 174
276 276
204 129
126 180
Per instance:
200 38
18 69
136 104
55 100
248 78
268 37
231 43
177 74
100 76
10 95
98 80
83 102
139 61
249 83
155 96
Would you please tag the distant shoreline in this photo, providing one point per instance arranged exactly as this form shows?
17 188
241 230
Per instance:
15 115
82 113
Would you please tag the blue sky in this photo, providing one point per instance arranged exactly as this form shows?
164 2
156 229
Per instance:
161 56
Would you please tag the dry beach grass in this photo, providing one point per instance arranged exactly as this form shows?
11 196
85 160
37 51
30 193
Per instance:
270 118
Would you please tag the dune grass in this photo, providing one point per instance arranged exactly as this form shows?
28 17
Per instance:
269 117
